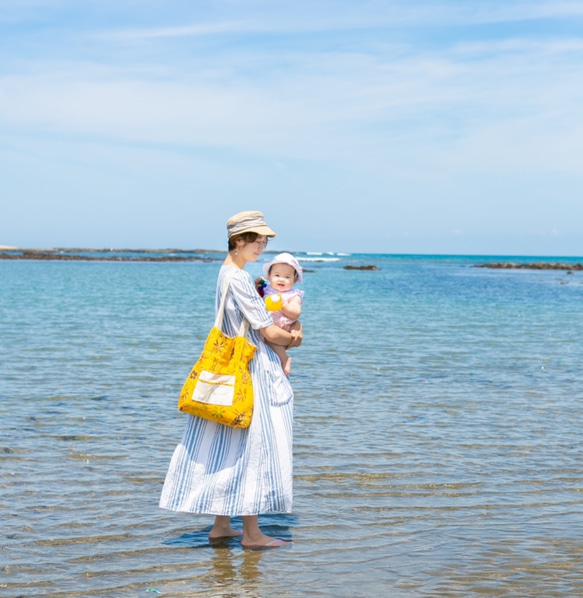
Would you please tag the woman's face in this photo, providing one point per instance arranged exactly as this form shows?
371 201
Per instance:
252 251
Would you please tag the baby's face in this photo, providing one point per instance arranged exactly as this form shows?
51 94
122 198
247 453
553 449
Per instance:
282 277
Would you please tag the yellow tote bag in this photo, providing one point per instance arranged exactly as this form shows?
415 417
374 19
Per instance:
219 387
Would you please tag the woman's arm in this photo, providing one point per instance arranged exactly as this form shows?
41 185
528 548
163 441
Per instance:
253 308
276 335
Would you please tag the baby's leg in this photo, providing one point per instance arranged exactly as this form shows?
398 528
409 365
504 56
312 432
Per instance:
283 357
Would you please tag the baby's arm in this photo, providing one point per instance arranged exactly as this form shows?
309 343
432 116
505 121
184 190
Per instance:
292 308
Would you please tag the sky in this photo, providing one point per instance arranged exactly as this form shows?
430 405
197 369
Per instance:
405 126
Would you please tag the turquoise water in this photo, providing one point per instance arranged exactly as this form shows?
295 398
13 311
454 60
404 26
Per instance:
438 447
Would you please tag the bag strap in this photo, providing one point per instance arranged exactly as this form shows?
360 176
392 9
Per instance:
244 328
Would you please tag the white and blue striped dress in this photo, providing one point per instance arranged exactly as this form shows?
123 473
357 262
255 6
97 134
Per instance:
220 470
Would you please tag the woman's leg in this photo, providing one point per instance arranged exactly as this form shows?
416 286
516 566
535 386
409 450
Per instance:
222 528
253 537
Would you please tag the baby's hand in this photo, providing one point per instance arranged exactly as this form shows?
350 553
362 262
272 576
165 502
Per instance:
260 284
297 338
292 308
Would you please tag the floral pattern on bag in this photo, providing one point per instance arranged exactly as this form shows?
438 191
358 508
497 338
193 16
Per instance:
219 387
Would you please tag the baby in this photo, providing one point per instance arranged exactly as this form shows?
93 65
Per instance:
282 272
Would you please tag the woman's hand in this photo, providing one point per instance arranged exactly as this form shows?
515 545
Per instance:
274 334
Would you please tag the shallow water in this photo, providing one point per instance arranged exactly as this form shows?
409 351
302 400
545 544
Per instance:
437 435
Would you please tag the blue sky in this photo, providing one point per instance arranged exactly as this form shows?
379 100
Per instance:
401 126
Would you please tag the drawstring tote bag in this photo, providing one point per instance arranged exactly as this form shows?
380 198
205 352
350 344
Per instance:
219 387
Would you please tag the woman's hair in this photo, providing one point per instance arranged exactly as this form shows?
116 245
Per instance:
247 237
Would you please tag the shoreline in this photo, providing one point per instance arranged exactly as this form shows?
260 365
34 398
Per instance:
53 250
83 255
79 254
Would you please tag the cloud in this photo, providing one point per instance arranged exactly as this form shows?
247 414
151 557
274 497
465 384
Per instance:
195 30
515 45
274 18
513 103
437 121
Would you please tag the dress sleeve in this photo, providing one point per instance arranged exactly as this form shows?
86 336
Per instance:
248 301
296 293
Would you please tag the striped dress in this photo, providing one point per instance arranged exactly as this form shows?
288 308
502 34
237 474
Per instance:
220 470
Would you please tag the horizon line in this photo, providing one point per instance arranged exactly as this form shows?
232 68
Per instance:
7 248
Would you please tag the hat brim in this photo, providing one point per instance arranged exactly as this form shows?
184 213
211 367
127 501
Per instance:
293 262
260 230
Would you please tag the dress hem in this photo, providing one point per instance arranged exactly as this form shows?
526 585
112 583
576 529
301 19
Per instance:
222 514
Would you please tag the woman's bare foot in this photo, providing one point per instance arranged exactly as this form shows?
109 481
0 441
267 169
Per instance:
222 529
264 541
255 539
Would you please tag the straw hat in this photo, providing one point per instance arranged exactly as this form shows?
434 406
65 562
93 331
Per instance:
248 222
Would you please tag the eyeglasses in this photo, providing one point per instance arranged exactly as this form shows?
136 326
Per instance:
262 241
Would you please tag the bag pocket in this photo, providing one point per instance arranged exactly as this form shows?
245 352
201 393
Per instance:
214 389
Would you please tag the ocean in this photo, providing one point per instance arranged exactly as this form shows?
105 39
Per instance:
437 438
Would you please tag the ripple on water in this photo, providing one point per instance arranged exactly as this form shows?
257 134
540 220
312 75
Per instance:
437 444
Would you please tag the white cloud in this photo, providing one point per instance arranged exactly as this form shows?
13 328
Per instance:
510 104
404 104
194 30
272 18
513 45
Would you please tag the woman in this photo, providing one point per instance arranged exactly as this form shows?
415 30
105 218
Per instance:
226 471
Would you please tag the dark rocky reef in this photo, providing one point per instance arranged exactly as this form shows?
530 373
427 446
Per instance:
84 255
532 266
369 267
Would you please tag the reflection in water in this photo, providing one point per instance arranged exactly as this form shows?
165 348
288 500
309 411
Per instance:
250 572
232 574
222 573
230 570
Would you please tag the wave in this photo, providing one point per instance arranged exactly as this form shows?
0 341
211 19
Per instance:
318 259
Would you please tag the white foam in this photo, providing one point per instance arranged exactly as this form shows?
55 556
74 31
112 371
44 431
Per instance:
318 259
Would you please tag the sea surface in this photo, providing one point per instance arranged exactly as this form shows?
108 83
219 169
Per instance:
438 444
